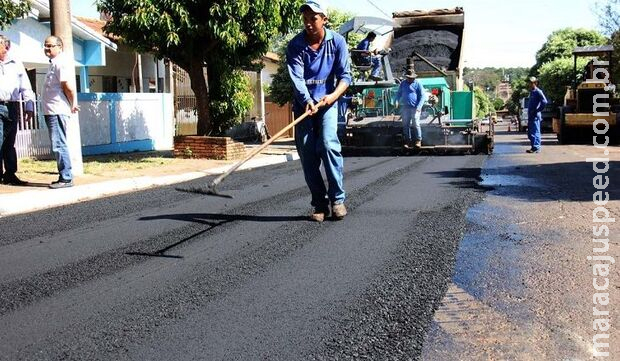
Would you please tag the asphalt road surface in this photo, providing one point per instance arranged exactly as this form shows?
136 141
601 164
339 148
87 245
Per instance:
165 275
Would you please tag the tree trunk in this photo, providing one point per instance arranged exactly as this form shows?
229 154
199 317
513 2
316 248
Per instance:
199 87
214 81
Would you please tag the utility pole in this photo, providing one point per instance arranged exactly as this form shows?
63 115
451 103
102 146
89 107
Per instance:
60 12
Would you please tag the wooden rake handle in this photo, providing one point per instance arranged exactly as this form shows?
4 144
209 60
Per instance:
253 153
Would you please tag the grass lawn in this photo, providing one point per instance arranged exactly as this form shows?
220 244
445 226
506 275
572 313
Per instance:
97 165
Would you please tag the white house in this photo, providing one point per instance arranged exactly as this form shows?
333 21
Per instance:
112 118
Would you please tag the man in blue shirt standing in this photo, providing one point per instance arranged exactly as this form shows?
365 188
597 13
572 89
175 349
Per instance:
375 73
318 64
535 106
411 96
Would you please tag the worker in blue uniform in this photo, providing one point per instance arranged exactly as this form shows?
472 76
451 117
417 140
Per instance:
410 97
364 45
535 106
318 64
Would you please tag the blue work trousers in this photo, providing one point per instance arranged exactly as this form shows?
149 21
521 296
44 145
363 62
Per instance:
411 118
317 142
376 67
533 130
8 155
57 127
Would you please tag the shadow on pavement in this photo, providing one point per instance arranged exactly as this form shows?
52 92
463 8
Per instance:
539 182
205 218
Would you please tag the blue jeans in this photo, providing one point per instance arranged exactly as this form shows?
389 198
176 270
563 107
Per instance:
8 155
317 141
411 118
376 67
533 130
57 127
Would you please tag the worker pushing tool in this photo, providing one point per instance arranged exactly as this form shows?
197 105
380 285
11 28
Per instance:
318 63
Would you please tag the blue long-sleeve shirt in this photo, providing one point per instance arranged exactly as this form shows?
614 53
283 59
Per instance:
14 83
316 73
363 45
537 103
410 94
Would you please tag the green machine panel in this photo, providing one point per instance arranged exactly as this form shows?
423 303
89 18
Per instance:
462 105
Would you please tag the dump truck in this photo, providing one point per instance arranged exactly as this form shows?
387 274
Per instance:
429 41
592 99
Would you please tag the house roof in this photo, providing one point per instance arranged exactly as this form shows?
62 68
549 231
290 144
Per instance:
41 11
271 56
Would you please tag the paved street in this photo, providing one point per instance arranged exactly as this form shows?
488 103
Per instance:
165 275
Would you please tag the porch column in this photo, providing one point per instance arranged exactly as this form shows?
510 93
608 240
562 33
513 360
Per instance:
261 95
84 83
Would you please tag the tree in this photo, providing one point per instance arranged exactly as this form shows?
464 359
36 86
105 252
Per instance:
281 90
10 10
558 74
482 105
222 35
498 104
560 44
609 17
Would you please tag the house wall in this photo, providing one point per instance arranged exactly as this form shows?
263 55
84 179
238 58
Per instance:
121 64
269 71
119 123
27 37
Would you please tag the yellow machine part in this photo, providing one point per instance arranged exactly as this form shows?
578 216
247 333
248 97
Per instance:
586 119
592 85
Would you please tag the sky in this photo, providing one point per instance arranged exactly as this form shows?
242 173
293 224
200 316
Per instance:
498 33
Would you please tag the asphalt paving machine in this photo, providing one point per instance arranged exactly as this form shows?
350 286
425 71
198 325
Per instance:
593 99
430 42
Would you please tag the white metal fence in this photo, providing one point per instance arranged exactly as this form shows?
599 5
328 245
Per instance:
32 140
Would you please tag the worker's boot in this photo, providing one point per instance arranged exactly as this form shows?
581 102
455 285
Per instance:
418 144
339 211
319 214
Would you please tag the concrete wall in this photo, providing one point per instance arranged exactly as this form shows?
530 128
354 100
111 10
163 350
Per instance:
120 123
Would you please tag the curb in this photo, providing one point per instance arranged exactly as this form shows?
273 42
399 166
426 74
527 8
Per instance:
34 200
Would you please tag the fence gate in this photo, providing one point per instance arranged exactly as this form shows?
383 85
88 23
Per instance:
32 140
185 114
277 117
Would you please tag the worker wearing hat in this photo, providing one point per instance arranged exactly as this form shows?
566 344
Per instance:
410 96
535 106
318 63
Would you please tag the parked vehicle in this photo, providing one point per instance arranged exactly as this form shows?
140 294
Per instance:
589 101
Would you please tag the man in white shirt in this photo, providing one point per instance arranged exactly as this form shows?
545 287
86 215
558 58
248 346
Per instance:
14 88
59 101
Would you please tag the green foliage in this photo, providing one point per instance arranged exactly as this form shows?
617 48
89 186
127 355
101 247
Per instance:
281 91
482 104
519 90
615 41
220 34
10 10
556 75
498 104
609 17
560 44
231 110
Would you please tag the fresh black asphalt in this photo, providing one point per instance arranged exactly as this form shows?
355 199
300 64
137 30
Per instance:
166 275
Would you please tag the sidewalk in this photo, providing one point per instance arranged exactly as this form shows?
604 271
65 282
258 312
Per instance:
36 195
